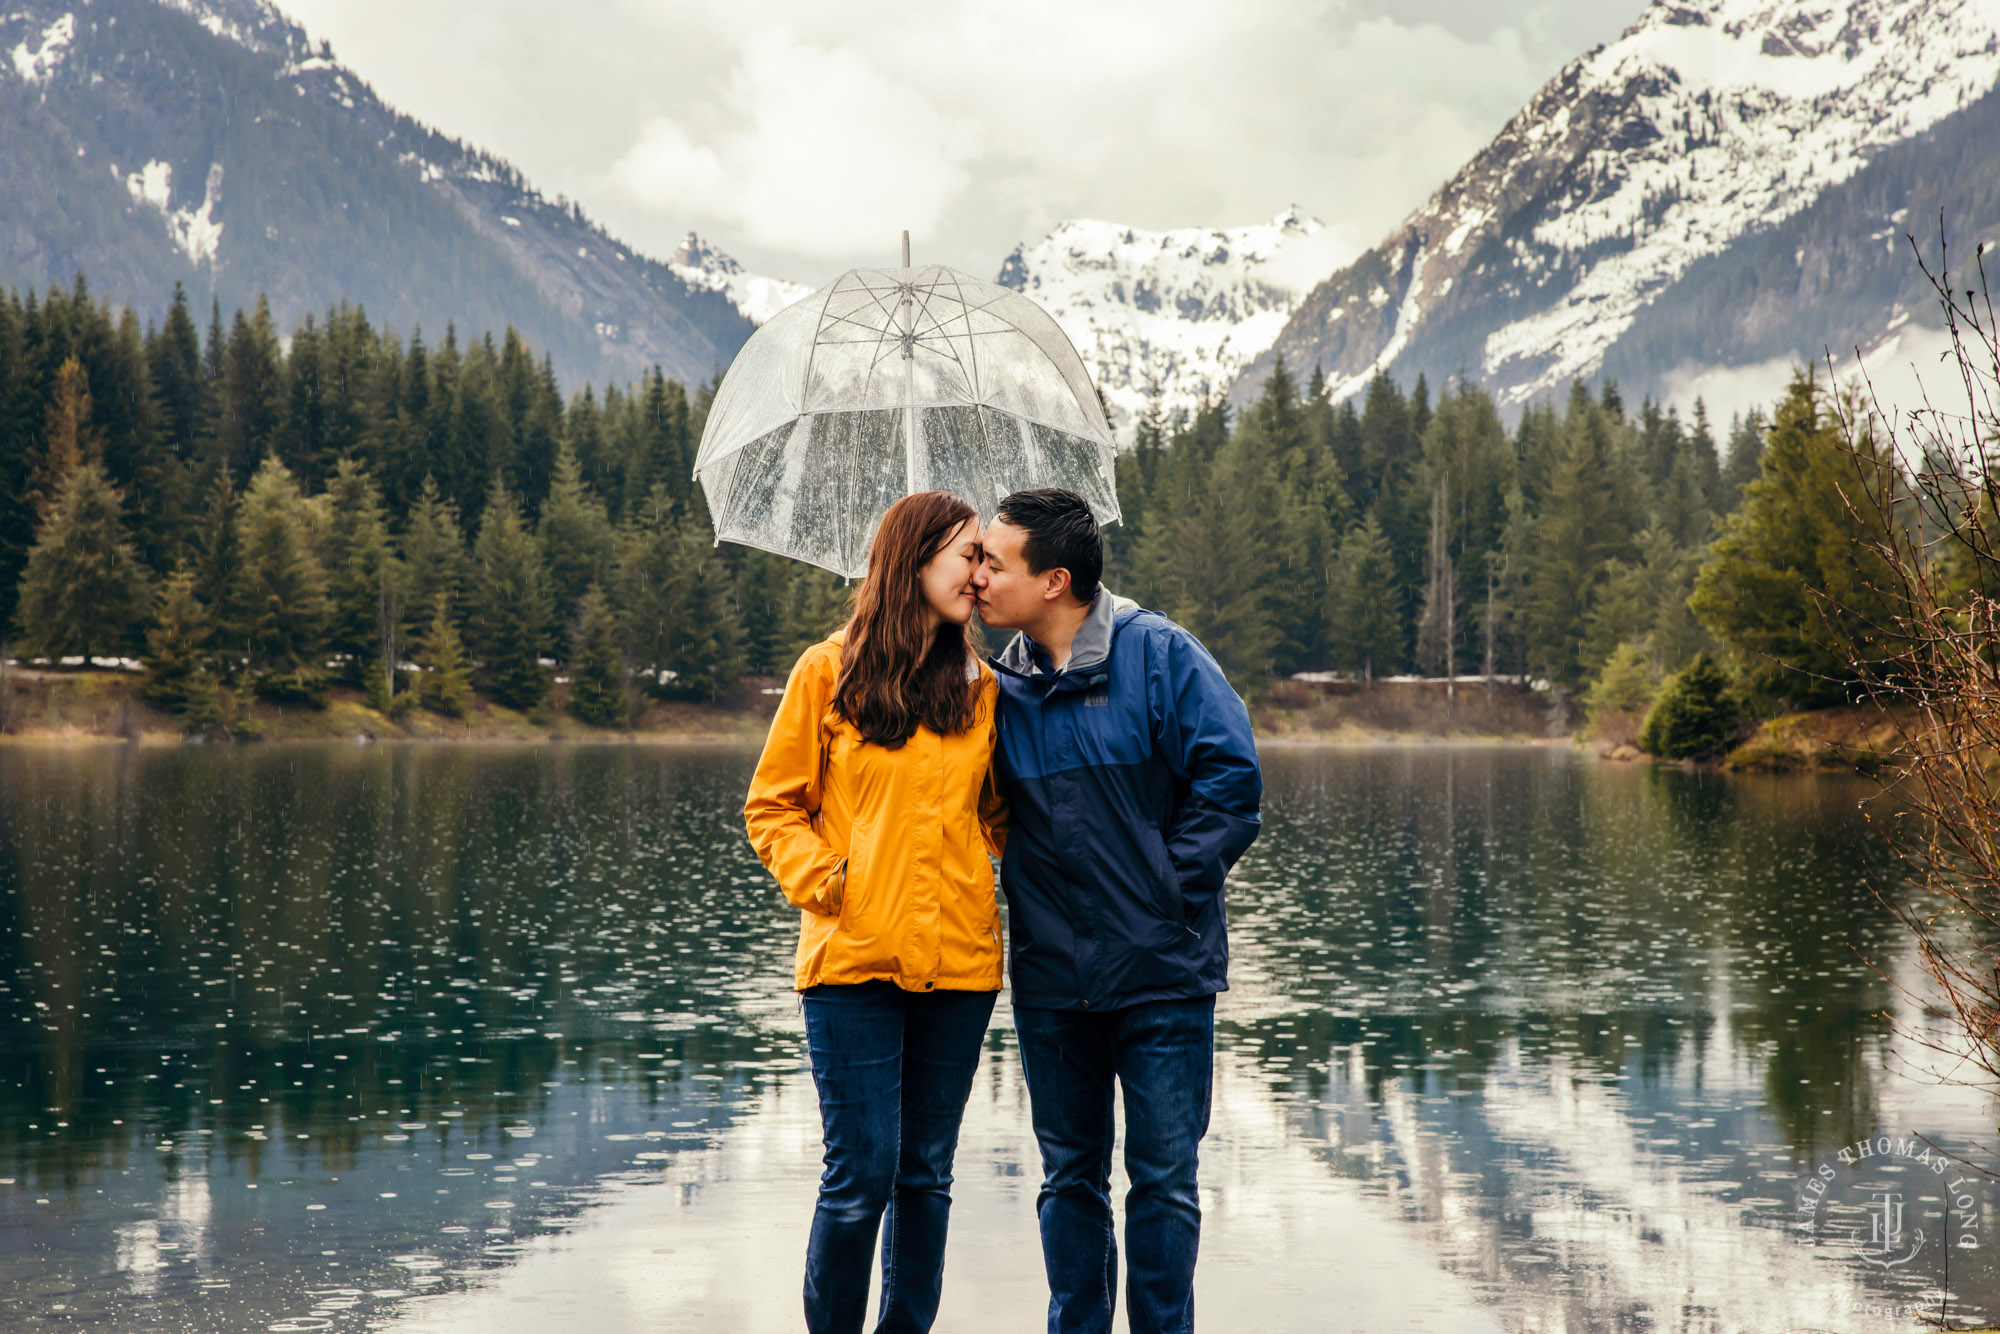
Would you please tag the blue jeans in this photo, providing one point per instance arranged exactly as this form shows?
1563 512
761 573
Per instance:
1163 1053
893 1069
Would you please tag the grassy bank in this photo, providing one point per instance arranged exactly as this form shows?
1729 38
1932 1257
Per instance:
105 705
86 706
83 706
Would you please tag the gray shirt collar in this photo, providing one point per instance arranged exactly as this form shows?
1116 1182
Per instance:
1090 649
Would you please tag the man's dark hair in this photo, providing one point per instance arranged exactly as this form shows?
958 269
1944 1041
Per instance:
1062 532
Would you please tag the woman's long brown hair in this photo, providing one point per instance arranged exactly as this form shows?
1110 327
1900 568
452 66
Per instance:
895 671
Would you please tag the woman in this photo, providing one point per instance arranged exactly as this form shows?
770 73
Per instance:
873 807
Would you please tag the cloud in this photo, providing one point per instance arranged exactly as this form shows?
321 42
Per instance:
812 150
804 134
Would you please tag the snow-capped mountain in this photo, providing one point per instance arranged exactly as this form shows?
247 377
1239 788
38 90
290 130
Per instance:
701 265
206 142
1174 315
1704 129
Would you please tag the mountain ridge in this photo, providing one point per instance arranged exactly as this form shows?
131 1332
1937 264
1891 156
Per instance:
206 142
1530 264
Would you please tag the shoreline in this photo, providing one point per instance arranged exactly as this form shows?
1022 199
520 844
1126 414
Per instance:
41 708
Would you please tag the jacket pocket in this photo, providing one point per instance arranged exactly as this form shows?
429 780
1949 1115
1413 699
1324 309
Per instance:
1166 881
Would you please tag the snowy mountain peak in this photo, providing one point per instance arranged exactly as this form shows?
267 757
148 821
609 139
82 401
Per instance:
1706 122
1172 315
256 24
702 266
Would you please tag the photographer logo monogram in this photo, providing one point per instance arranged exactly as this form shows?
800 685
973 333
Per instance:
1887 1199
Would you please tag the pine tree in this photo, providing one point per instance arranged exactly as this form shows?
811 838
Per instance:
84 590
1624 688
703 654
1746 450
575 534
818 604
363 575
1587 519
252 394
283 584
510 603
597 670
1793 585
763 602
70 437
1695 715
672 593
176 644
446 683
1366 631
175 356
218 570
433 550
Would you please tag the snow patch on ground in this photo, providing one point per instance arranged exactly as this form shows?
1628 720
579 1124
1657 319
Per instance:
196 233
35 64
1173 316
701 265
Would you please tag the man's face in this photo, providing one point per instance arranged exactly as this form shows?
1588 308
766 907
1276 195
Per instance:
1010 597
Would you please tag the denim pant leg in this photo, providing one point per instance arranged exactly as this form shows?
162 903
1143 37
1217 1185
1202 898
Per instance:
855 1037
943 1034
1165 1056
1067 1061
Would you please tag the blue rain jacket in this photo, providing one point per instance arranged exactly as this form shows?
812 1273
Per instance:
1134 787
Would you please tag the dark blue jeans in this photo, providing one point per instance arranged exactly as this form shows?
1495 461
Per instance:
1163 1053
893 1069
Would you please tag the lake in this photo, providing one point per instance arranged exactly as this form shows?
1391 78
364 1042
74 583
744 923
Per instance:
490 1038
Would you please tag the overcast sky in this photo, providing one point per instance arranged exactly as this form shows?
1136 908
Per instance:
802 135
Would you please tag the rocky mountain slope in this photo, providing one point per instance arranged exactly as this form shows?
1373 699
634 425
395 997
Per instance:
1620 216
1172 316
150 142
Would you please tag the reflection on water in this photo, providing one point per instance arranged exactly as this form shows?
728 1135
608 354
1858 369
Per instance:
484 1038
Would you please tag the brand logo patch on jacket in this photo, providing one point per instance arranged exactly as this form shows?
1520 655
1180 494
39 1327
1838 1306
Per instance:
1098 699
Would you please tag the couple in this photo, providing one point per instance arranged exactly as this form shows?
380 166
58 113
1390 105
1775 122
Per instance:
1106 761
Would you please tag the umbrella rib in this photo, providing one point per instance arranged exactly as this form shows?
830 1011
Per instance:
972 349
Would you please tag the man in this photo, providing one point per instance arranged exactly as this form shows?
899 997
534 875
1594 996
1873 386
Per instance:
1134 786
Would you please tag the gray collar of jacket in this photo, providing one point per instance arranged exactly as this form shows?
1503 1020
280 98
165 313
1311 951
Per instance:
1090 650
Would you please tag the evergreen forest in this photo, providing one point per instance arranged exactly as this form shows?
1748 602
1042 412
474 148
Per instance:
247 512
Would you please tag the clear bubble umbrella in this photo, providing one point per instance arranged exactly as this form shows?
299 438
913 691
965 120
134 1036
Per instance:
891 381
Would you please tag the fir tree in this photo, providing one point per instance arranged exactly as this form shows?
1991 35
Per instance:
510 603
84 590
1695 715
597 670
176 644
363 574
1367 634
433 550
575 534
817 605
763 603
70 437
1793 585
175 356
446 682
283 585
252 396
1587 520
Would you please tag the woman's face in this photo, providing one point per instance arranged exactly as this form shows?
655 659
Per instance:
947 576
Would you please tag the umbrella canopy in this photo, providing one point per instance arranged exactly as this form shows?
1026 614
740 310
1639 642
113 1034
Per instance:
891 381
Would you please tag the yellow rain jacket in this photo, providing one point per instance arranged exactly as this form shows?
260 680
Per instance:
884 851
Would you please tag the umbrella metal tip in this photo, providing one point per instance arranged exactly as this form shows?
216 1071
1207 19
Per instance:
906 249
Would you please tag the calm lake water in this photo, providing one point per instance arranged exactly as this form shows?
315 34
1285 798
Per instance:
433 1039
